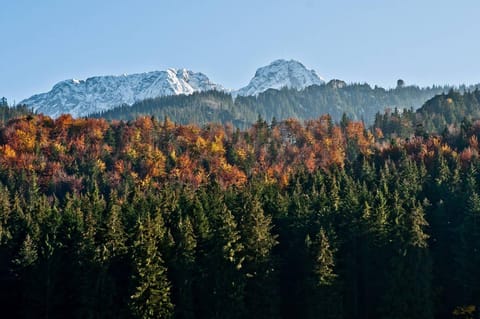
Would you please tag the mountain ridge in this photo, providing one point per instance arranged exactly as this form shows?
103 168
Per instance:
101 93
278 74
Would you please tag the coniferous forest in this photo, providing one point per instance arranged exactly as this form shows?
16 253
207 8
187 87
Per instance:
284 219
357 101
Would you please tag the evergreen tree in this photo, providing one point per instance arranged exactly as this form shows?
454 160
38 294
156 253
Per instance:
226 256
183 269
325 295
467 252
408 292
260 269
151 297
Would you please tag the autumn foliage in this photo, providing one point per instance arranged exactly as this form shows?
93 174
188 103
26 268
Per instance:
62 152
151 219
149 151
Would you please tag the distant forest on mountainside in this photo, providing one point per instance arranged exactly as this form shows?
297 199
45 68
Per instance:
148 218
9 112
444 113
356 101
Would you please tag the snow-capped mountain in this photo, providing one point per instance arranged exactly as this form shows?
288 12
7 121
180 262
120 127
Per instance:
281 73
101 93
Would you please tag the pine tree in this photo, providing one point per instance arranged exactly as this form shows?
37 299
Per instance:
260 269
202 231
409 288
324 261
183 269
111 263
467 248
224 261
324 298
151 298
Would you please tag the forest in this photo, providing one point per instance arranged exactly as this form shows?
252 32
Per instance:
148 218
357 101
444 113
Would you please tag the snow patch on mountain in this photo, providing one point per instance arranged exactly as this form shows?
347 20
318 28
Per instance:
281 73
101 93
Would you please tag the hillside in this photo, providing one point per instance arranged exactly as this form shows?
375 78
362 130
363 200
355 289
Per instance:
447 111
289 220
10 112
357 101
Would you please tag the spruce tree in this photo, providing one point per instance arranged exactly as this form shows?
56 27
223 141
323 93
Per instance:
151 297
260 269
324 297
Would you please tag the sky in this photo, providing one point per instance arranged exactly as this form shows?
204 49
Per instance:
424 42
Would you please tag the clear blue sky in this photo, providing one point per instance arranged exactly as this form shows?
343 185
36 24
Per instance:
375 41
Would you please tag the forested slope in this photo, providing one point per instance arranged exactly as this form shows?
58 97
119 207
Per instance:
357 101
447 112
7 112
148 219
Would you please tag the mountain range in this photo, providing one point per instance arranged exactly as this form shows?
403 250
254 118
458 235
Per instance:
102 93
